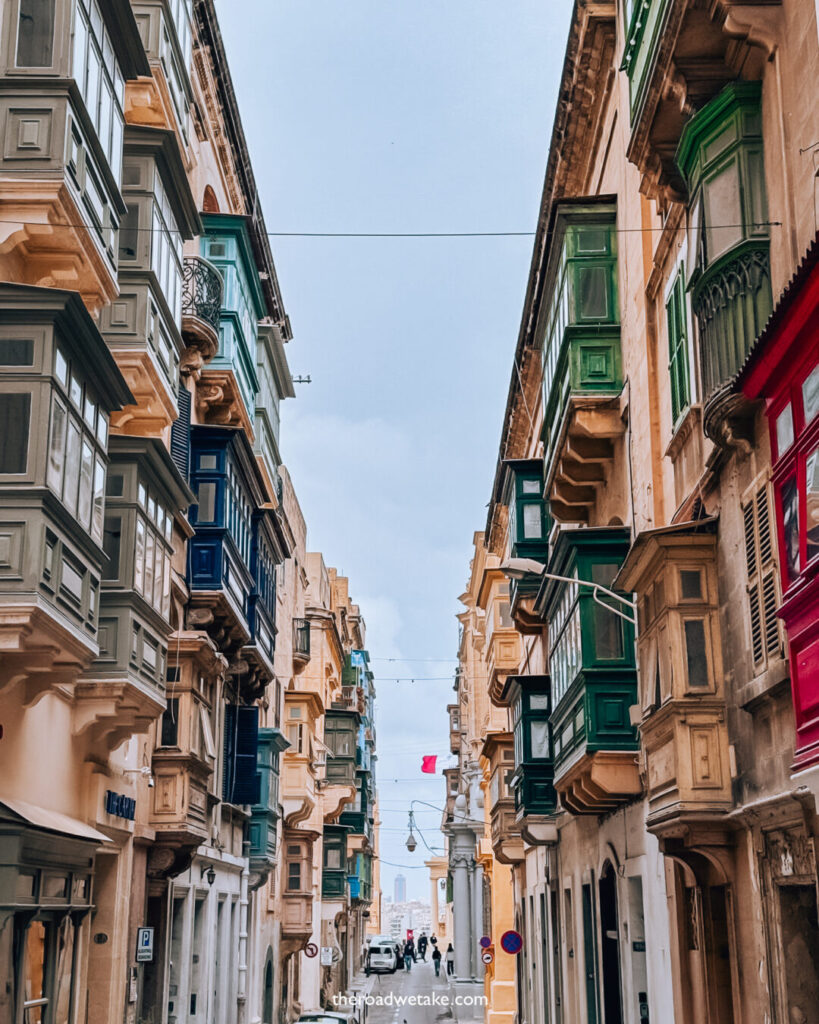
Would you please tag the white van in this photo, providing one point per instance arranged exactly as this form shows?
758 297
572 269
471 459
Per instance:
381 957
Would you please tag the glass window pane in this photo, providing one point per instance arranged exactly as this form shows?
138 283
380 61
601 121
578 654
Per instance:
531 487
14 429
592 293
149 564
812 504
723 212
784 428
56 446
532 521
35 33
139 567
72 467
539 735
111 539
696 658
790 526
608 631
690 584
99 499
16 352
86 475
539 702
810 394
207 503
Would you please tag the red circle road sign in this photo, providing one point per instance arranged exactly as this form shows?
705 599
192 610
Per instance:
311 949
486 942
487 956
511 942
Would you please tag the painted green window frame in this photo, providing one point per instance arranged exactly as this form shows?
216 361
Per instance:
678 335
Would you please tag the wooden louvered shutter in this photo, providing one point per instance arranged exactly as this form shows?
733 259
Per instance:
246 778
763 592
181 432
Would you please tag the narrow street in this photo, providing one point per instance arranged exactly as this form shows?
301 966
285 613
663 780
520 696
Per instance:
418 997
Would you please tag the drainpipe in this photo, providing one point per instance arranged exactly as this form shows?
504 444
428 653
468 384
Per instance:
241 997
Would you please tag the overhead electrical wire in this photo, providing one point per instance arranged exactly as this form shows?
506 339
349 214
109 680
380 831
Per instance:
381 234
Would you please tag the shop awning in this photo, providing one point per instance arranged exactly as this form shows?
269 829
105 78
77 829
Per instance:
51 821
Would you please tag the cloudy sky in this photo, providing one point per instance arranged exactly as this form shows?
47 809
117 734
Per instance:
399 116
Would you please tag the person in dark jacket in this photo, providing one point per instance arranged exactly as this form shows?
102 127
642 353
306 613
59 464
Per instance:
422 946
409 951
450 959
436 959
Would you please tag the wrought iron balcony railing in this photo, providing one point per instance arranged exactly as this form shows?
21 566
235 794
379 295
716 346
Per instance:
202 291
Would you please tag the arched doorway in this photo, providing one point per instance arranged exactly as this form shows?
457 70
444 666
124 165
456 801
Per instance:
610 946
705 933
267 997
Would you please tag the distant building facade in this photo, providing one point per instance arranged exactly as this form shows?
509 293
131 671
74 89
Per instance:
400 889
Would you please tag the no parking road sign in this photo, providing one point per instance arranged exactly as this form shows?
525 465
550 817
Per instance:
511 942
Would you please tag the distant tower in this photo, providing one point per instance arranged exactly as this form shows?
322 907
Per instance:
400 889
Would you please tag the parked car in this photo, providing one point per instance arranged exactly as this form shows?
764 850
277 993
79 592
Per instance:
382 958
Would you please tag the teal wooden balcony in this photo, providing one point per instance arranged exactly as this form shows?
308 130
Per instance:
265 814
593 675
232 373
334 863
532 784
582 367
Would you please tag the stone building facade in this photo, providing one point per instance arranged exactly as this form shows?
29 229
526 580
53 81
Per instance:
153 574
653 513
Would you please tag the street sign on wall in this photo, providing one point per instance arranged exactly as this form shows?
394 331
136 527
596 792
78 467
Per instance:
145 945
511 942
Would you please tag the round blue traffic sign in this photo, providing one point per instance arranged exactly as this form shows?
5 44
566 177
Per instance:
486 942
511 942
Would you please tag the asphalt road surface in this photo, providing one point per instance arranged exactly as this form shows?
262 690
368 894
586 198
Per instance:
418 997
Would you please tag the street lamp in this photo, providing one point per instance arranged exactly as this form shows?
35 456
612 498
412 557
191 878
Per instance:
411 840
520 568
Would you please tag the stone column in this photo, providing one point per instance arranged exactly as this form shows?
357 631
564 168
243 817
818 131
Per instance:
461 915
477 917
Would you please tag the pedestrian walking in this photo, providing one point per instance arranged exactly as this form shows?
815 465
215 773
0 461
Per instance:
450 959
436 959
422 946
408 957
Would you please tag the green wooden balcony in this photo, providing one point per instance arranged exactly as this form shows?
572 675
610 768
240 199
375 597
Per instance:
582 365
721 157
593 675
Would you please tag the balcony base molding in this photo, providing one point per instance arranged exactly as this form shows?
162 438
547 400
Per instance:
47 248
538 830
219 401
108 712
155 409
335 797
583 455
600 782
38 654
509 851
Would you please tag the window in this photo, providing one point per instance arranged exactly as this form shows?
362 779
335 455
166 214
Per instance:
36 956
76 470
15 414
695 653
152 569
99 80
608 631
332 858
169 729
35 33
166 250
294 873
16 352
111 540
677 321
